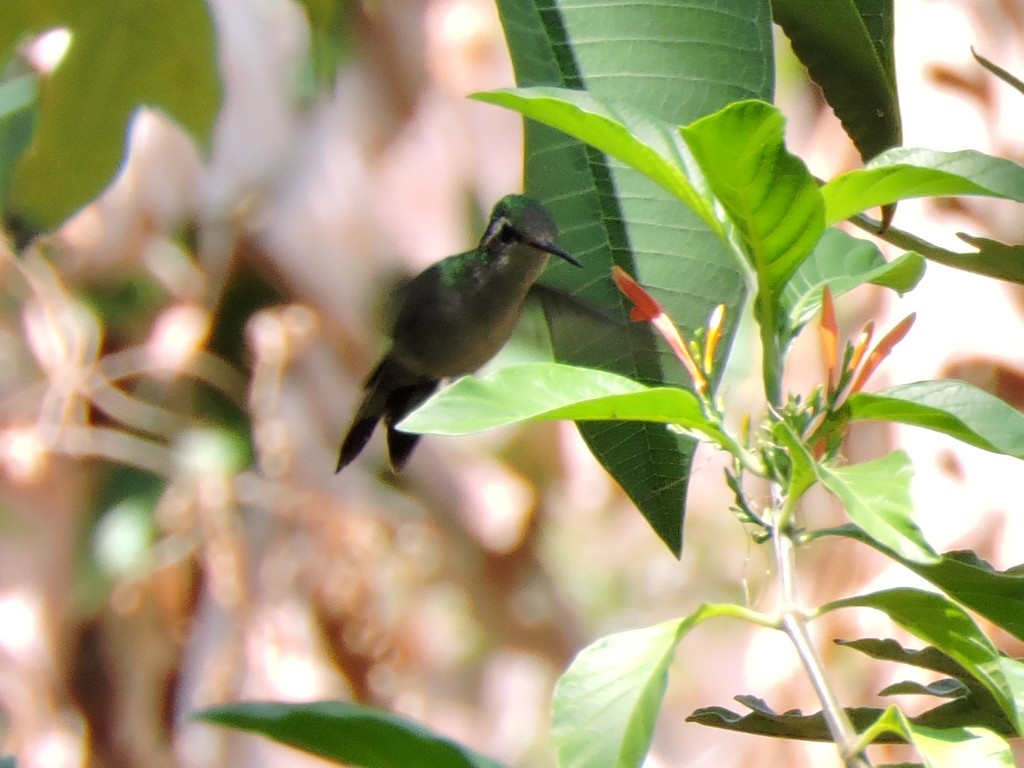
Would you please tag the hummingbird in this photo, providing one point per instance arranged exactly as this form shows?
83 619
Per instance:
453 317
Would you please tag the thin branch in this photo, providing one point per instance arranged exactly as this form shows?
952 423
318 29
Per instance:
794 623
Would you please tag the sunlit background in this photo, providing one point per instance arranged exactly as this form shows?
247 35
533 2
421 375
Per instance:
179 364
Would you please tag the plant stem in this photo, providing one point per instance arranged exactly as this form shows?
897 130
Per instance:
793 622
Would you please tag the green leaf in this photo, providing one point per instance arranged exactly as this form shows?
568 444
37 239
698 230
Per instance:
876 496
606 704
904 173
843 263
123 55
847 47
17 119
768 193
675 62
996 595
947 747
954 408
942 623
549 392
619 130
770 198
347 733
1002 74
762 720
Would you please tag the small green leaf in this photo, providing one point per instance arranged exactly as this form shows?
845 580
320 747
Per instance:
606 704
620 130
347 733
947 747
768 193
842 263
549 392
954 408
904 173
944 624
876 495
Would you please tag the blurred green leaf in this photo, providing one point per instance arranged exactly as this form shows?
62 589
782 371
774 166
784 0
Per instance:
347 733
123 55
948 747
876 495
547 392
17 119
847 47
904 173
606 704
842 263
954 408
942 623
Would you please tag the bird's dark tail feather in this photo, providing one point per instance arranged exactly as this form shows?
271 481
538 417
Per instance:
370 412
391 393
401 403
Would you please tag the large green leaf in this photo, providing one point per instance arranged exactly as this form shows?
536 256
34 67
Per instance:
842 263
606 704
876 495
944 624
548 392
124 54
903 173
955 408
847 47
348 733
675 62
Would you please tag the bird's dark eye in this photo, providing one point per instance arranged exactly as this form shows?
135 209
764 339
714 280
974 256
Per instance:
500 229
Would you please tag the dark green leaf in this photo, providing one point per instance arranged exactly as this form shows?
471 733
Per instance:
675 62
942 623
847 47
347 733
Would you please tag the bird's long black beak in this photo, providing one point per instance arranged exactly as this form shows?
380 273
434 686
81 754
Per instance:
554 250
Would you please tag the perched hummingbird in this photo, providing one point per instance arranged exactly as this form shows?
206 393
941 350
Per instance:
454 317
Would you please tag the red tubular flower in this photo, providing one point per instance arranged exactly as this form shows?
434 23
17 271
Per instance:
828 332
882 350
646 309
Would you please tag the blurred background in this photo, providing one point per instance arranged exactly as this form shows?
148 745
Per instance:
182 358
